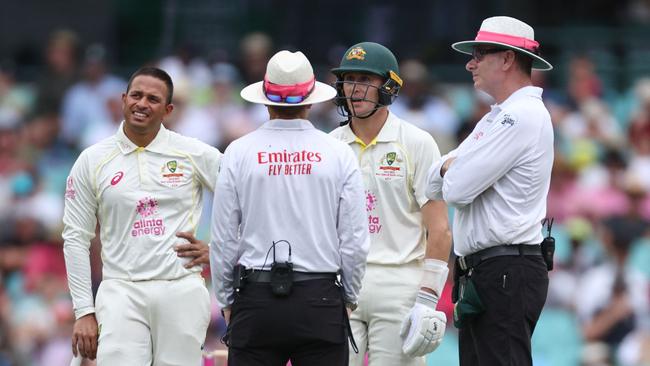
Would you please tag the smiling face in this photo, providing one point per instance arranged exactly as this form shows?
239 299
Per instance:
145 105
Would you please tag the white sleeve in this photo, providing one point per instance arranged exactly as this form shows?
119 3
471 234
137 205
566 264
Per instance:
226 217
208 166
352 227
425 155
79 222
477 167
433 190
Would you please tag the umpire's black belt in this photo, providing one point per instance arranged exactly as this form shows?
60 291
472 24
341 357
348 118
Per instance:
265 276
474 259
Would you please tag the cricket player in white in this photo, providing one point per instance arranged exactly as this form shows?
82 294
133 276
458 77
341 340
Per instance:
143 186
396 321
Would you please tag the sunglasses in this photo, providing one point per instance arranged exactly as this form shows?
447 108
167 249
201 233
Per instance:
290 94
479 53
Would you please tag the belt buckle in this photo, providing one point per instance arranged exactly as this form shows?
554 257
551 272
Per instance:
463 264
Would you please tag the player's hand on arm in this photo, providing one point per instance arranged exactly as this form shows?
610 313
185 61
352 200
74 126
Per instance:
84 336
196 249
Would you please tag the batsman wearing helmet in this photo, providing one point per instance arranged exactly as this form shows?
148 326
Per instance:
396 321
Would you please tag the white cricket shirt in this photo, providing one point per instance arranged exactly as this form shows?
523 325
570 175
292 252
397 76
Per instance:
141 197
394 167
501 176
289 181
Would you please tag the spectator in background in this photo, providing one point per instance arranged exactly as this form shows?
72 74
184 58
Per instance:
61 57
639 129
584 83
593 122
15 100
425 110
612 299
223 119
255 51
187 69
86 117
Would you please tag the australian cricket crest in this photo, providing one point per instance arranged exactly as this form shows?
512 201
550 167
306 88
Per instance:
171 165
390 166
357 53
172 174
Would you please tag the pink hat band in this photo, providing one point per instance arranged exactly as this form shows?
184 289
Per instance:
521 42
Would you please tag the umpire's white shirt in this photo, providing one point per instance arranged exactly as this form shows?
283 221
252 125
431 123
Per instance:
394 167
501 176
141 197
289 181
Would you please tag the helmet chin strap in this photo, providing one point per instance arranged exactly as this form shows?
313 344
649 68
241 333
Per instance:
345 112
373 111
348 110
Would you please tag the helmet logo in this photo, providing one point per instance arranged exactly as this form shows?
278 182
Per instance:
356 53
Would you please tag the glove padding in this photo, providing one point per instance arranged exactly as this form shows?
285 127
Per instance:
424 326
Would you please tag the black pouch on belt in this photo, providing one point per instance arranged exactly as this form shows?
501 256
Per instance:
469 303
548 244
281 278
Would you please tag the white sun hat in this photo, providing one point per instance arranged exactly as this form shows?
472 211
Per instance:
509 33
289 81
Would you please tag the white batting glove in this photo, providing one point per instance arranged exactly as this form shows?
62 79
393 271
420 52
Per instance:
424 326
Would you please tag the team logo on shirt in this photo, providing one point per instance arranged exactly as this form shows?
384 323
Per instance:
390 166
117 178
172 174
508 120
371 201
171 165
69 189
374 224
147 206
147 225
390 157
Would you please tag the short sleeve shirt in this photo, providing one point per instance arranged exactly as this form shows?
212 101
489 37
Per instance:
394 168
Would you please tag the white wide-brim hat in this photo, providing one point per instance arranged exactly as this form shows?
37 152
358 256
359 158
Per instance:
506 32
288 68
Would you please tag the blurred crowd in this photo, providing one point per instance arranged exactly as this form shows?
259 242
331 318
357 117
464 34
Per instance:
598 307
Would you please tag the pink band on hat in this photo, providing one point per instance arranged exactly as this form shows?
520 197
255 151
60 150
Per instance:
521 42
301 89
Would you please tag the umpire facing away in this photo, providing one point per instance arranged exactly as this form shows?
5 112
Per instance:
498 180
288 219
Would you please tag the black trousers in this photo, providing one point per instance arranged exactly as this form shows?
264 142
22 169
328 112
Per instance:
513 290
308 327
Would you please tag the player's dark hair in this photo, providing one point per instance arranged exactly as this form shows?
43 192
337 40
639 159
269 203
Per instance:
155 73
286 112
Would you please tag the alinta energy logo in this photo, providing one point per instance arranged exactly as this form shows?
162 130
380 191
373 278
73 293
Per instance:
374 223
371 201
69 189
146 208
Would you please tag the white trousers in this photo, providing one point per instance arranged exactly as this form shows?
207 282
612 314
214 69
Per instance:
158 322
387 296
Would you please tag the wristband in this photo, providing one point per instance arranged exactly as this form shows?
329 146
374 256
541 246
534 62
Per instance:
434 275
